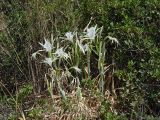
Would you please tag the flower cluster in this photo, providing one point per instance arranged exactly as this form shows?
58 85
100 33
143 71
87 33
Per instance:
68 52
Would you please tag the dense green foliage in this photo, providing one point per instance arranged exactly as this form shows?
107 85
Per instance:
136 25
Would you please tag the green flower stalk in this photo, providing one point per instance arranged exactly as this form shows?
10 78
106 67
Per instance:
101 63
79 92
88 63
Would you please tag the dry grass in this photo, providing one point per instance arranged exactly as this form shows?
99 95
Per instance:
84 109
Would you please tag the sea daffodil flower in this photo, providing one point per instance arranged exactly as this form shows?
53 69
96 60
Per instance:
91 32
47 45
69 36
48 61
60 53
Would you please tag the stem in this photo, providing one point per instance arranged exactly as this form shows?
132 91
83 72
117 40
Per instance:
101 63
88 63
101 85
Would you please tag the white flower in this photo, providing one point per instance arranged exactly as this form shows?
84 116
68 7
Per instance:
76 69
48 61
91 32
69 36
47 45
60 53
113 40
